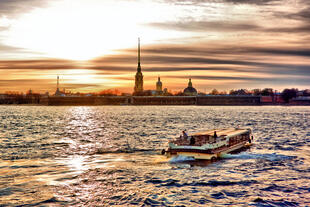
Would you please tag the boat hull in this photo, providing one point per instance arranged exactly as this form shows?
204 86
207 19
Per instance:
207 155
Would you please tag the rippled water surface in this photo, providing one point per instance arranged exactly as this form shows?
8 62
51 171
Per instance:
109 156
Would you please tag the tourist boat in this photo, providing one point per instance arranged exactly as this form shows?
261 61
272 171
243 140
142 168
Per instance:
211 144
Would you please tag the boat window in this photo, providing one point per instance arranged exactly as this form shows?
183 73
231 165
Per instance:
192 140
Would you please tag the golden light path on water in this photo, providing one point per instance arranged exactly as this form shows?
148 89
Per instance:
81 163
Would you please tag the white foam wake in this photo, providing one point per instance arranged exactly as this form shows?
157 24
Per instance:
249 156
180 158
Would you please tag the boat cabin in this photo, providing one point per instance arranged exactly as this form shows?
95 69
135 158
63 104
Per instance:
232 135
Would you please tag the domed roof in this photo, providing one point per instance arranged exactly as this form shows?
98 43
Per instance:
190 90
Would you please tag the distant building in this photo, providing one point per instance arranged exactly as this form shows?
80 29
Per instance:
302 100
159 87
190 90
267 99
29 92
139 77
306 92
125 94
165 92
58 93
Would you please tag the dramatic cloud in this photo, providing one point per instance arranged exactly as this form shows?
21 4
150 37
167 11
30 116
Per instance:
38 64
257 2
205 26
220 26
265 80
16 7
230 50
199 2
8 48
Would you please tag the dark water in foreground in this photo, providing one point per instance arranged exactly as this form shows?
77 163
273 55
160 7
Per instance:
109 155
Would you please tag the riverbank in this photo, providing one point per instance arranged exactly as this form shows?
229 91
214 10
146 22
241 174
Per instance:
210 100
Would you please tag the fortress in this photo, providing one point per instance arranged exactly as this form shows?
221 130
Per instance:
189 97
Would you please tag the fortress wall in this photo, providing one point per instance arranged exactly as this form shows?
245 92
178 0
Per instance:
152 100
228 100
163 100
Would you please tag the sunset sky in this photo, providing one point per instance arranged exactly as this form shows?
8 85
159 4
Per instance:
92 44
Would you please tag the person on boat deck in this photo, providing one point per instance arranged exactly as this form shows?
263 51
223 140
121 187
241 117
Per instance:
215 135
184 134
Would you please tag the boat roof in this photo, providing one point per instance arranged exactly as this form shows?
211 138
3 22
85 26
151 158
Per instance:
223 132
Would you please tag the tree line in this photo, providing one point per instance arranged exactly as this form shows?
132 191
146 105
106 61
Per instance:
286 94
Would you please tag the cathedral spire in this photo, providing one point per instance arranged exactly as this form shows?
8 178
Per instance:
57 82
190 83
139 65
139 77
57 93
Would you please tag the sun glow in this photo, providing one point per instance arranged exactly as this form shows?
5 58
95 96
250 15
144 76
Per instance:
81 76
82 30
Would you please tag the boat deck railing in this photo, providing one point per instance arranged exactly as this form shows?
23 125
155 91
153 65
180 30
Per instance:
199 140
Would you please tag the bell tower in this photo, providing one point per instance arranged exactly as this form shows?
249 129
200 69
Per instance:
57 93
159 86
139 77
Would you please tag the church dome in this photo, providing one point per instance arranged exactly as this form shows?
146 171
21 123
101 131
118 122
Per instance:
190 90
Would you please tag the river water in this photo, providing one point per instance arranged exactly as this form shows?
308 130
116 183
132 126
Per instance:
110 156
